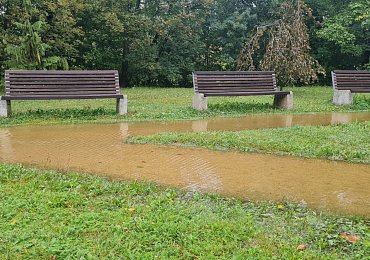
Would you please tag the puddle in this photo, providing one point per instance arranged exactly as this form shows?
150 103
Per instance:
246 123
100 149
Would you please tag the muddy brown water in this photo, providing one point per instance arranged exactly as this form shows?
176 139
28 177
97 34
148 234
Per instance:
101 149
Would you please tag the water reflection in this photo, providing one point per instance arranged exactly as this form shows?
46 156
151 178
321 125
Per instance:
100 149
246 123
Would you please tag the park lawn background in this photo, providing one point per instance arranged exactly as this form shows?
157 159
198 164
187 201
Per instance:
47 214
55 215
171 104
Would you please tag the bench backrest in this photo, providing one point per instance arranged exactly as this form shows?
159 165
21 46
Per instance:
354 80
55 84
238 82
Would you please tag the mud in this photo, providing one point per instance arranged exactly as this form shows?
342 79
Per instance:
100 149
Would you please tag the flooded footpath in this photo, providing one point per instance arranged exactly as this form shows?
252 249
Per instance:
101 149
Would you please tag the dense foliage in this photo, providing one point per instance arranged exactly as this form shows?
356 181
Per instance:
160 42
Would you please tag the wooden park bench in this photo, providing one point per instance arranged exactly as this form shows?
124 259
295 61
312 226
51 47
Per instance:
60 84
348 82
237 83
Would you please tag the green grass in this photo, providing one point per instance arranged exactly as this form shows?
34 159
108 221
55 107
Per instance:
349 142
48 214
171 104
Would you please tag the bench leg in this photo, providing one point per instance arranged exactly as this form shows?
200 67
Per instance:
5 108
200 102
342 97
122 104
284 101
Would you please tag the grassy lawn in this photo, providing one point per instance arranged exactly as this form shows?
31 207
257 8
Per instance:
348 142
171 104
47 214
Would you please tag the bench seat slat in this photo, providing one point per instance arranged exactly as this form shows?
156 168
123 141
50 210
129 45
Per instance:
56 92
360 90
230 85
45 77
205 83
61 93
212 73
41 87
239 90
62 72
228 77
64 82
246 93
30 97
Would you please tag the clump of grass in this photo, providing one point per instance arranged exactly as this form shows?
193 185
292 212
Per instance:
349 142
48 214
361 102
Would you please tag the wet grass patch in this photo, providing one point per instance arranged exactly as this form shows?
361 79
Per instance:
171 104
348 142
48 214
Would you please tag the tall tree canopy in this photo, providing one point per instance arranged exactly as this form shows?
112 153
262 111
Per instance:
160 42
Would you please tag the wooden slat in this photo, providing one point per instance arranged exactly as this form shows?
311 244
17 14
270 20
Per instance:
246 93
56 88
62 72
67 80
224 77
67 77
87 91
220 83
237 90
29 85
245 85
37 97
237 81
64 84
351 71
356 81
232 72
64 93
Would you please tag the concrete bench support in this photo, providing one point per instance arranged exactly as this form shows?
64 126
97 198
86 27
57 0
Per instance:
5 108
342 97
122 104
200 102
284 101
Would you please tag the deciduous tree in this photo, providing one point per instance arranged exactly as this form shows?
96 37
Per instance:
283 47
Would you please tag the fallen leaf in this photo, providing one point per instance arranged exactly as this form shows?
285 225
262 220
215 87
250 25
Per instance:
350 238
301 247
13 222
131 209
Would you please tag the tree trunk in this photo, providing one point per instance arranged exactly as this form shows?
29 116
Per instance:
123 77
